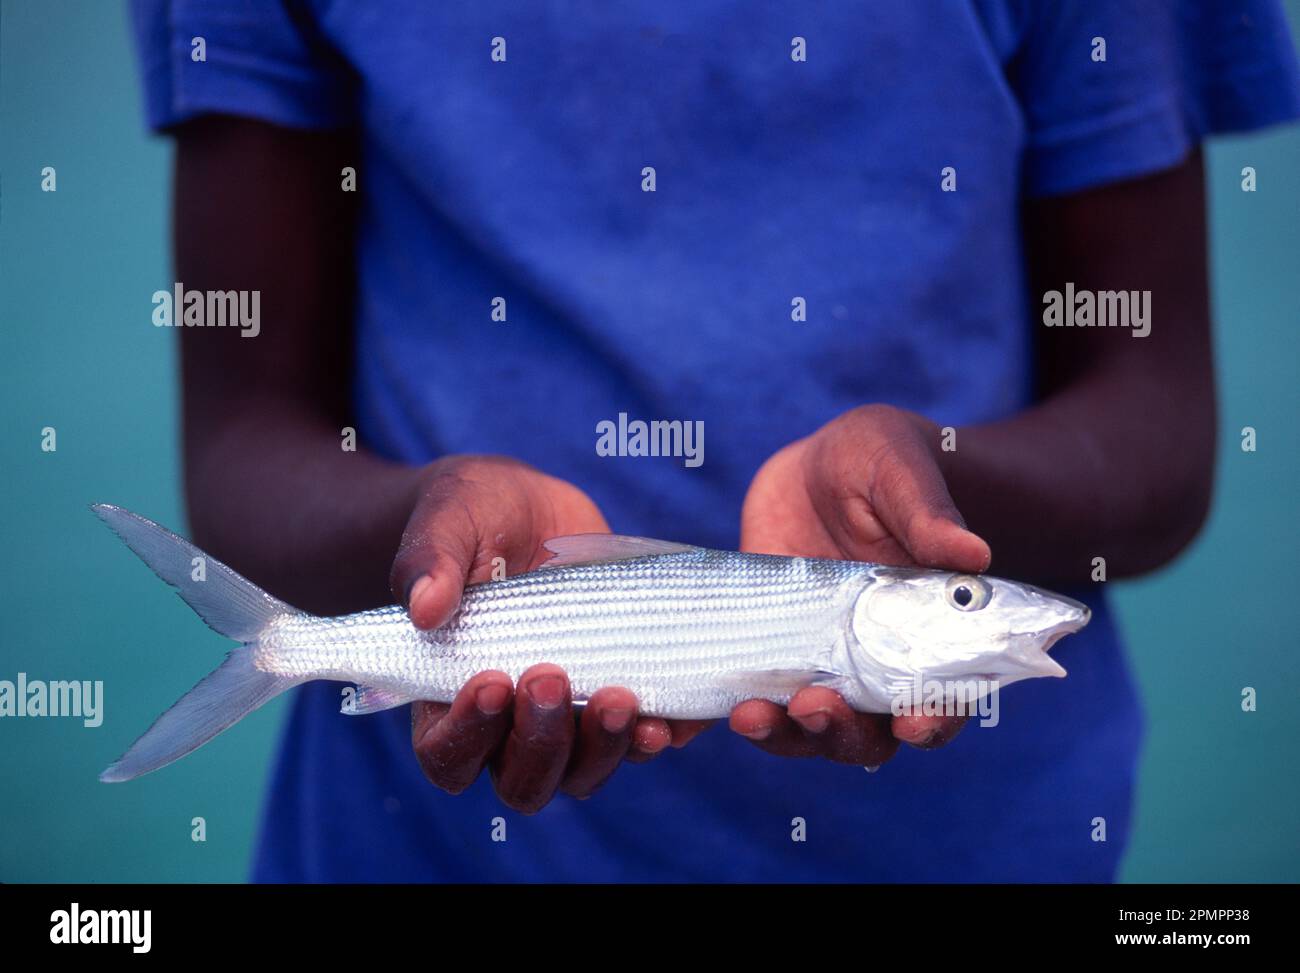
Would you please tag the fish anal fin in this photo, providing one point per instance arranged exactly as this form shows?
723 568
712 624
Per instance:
370 699
574 549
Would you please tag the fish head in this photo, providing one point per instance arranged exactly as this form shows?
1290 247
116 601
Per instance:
941 625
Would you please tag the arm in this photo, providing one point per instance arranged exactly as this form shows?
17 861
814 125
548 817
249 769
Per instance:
1115 460
271 491
267 483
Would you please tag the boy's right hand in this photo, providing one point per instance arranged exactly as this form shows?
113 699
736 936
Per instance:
471 510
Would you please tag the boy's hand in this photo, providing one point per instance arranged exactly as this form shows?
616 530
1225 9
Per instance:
472 510
865 487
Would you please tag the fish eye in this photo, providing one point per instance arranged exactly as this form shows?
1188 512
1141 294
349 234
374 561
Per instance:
968 593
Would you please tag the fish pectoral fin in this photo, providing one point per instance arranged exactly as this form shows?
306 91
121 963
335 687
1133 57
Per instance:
776 682
369 699
574 549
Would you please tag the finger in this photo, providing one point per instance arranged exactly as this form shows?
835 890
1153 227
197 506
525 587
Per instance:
650 737
604 735
769 727
878 476
906 491
452 537
841 733
825 727
926 732
434 595
452 743
684 731
436 555
527 769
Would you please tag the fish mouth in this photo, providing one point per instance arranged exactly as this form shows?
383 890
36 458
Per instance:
1049 664
1076 613
1035 663
1080 615
1076 621
1039 662
1034 660
1072 615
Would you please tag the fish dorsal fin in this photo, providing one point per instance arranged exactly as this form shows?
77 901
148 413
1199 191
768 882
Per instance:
598 548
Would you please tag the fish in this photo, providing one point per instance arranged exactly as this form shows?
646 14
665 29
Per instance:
691 631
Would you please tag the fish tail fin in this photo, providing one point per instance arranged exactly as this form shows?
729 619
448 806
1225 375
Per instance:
220 700
231 605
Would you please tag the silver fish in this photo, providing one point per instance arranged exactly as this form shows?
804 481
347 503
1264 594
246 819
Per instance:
691 631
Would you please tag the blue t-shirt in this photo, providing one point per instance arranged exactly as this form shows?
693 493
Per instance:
775 178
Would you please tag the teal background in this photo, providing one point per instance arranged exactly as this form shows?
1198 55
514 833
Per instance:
1219 788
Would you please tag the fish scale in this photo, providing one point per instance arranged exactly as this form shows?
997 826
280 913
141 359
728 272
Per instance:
675 629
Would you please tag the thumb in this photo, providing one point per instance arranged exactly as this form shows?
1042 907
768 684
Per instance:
449 541
436 555
907 493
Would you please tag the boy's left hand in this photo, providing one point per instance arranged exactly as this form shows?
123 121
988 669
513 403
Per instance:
865 487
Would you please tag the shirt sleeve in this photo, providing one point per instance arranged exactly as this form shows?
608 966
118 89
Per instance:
263 59
1174 72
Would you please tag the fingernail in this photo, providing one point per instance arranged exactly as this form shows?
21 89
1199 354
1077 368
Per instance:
931 738
872 770
418 589
761 733
615 720
491 700
814 722
546 692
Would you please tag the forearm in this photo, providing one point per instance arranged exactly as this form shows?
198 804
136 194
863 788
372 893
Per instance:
1116 460
270 488
1112 466
272 492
